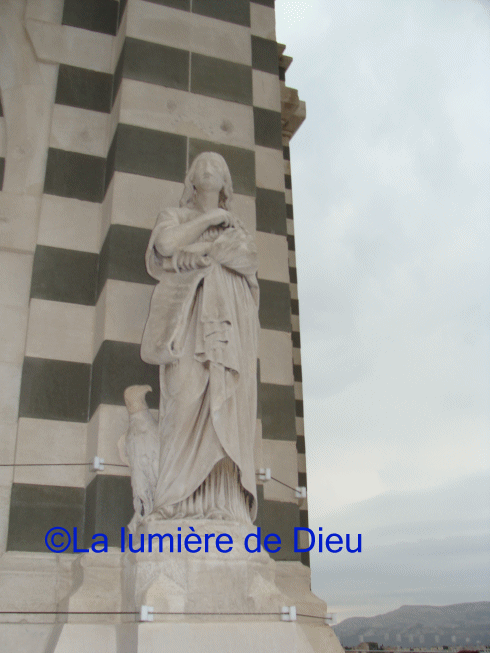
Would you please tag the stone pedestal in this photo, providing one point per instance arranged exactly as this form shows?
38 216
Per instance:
96 588
203 601
200 582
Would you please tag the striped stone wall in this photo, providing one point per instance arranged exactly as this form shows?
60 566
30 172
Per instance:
134 91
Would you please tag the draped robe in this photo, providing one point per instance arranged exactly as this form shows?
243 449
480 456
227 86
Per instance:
202 331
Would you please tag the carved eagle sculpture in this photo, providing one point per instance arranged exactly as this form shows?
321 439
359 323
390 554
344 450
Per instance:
142 450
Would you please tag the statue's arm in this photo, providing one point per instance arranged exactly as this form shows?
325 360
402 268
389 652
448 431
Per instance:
172 245
172 238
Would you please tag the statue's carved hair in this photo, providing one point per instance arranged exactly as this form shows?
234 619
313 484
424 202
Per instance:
226 193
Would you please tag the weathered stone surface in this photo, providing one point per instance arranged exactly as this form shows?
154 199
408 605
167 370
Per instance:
210 581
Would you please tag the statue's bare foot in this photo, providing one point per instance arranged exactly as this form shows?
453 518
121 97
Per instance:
154 516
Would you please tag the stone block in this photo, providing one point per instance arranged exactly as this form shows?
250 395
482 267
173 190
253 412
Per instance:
183 5
150 153
190 32
275 305
138 200
97 580
263 21
27 638
296 356
122 256
99 322
298 390
56 390
8 434
79 130
34 509
13 327
298 375
117 366
68 223
300 425
301 463
49 11
269 168
83 88
127 306
70 45
106 211
273 257
92 15
278 411
281 457
244 207
265 55
4 510
106 438
294 579
276 357
188 114
281 518
74 174
108 508
18 221
221 79
268 128
235 12
271 211
220 39
64 275
9 397
258 453
155 63
27 109
16 269
198 637
29 583
60 331
48 441
266 90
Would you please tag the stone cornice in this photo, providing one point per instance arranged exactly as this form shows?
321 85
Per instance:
293 110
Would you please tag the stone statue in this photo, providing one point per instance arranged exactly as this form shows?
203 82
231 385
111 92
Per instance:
202 330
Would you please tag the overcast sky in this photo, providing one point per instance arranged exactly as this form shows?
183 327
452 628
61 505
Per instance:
391 175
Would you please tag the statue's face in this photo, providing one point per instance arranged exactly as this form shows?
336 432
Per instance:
208 175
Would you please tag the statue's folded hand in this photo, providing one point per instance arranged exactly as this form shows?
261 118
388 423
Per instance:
219 218
191 258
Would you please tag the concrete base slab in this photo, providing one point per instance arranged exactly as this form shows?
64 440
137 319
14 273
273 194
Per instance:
186 637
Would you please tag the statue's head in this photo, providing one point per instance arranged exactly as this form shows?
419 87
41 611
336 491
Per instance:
216 162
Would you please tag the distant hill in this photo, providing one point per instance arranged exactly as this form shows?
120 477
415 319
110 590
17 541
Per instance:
418 626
